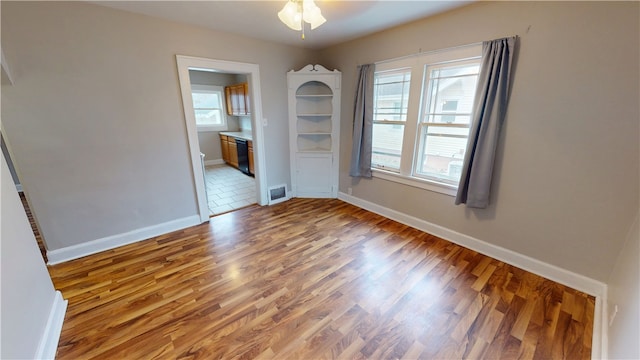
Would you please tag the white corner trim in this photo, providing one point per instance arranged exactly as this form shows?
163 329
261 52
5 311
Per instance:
110 242
5 67
49 341
551 272
213 162
600 336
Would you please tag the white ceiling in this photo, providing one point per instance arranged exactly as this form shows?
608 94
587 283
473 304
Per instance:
346 20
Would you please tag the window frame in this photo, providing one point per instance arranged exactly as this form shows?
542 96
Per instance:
400 123
425 112
411 143
199 88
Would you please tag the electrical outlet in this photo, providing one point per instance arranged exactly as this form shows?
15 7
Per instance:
264 122
349 191
613 314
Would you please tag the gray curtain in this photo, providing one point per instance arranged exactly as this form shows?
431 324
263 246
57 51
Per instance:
363 124
488 114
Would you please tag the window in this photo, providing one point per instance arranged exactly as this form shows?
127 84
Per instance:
208 106
420 130
444 127
391 99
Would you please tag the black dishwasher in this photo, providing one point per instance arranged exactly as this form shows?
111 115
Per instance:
243 155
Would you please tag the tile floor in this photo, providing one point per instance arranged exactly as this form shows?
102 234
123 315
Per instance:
228 189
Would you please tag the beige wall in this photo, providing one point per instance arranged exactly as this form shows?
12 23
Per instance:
95 115
566 179
27 293
108 107
97 130
624 293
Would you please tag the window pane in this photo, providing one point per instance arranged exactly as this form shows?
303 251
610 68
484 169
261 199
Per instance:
442 153
391 95
449 119
449 105
208 117
387 146
448 131
433 94
459 70
391 99
206 100
451 90
453 94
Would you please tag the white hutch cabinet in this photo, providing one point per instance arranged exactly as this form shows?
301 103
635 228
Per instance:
314 131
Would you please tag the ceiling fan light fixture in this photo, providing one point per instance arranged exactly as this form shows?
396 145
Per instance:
312 14
290 15
296 12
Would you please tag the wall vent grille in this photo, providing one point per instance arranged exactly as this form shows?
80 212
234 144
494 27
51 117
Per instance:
278 194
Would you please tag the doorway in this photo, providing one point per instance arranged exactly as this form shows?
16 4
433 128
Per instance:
223 122
228 188
23 197
251 71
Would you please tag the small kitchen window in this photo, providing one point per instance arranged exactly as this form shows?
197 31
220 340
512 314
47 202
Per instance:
208 107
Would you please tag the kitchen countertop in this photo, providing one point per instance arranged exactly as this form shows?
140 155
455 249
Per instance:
247 135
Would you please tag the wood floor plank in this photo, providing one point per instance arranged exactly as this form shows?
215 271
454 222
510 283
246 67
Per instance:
313 279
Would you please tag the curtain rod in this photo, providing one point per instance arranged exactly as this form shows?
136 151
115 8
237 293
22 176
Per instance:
420 52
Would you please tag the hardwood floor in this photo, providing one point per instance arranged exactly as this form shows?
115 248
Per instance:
313 279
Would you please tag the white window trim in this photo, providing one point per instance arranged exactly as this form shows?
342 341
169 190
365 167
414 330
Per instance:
421 183
417 63
212 88
402 123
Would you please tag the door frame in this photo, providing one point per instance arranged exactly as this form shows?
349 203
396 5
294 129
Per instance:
186 63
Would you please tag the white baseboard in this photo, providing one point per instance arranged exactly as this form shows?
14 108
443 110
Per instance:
213 162
551 272
600 341
49 342
110 242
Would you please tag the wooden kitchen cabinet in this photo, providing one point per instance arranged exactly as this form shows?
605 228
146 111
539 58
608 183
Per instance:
233 152
251 168
224 145
237 99
230 152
